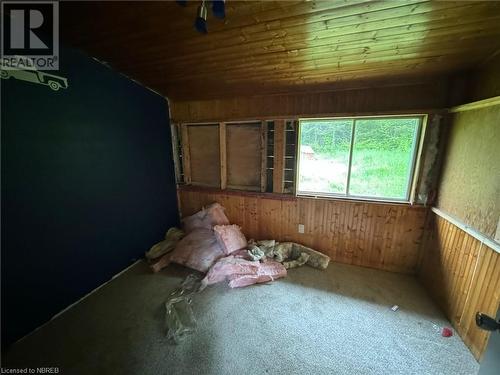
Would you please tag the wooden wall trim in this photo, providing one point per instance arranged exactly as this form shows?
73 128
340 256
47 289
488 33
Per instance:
462 275
223 155
174 131
367 234
186 158
263 156
300 115
477 105
289 197
468 229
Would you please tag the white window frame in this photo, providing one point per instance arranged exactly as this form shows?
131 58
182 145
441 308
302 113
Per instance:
414 161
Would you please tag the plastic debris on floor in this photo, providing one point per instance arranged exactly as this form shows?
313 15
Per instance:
179 316
446 332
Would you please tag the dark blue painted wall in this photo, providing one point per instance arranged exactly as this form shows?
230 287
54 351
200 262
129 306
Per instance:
87 186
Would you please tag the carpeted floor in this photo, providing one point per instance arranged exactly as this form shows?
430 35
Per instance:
336 321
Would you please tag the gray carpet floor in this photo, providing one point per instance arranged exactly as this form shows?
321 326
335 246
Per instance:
336 321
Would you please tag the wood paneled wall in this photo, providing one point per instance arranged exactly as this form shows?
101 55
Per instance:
376 235
390 99
463 276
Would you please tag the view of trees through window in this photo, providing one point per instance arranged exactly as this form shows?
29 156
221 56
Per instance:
379 164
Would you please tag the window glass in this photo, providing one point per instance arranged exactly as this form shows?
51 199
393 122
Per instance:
382 157
358 157
324 155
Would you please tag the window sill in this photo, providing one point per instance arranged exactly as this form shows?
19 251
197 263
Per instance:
248 193
291 197
335 197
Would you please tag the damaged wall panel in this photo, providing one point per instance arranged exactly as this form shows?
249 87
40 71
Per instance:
470 181
244 156
376 235
203 151
429 162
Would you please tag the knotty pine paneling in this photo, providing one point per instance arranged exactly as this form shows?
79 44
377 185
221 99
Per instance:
463 277
282 46
411 98
376 235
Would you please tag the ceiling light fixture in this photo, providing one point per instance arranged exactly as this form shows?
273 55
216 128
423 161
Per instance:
200 24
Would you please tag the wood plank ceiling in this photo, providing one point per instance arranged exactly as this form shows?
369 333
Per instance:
282 46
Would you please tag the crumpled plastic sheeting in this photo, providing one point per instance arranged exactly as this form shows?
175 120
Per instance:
241 272
172 236
207 218
179 316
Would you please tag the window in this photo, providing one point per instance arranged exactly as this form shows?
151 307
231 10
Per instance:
371 158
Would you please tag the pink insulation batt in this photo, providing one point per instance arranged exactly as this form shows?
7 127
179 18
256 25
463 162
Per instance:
230 238
207 218
199 250
241 272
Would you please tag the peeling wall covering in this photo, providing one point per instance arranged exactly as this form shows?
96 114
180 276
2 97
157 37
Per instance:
426 187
